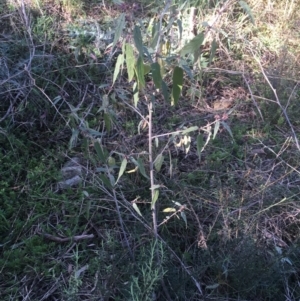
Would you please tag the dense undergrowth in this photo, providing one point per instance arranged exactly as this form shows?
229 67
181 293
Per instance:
78 220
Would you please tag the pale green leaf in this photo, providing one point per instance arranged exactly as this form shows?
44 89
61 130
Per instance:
227 128
120 25
122 169
216 129
155 197
136 208
139 69
190 129
119 63
158 162
147 69
177 84
247 9
193 45
135 94
167 210
183 216
130 61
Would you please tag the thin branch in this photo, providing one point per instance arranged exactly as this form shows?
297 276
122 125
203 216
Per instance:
67 239
278 103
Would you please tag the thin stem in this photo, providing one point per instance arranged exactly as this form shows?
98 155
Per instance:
154 213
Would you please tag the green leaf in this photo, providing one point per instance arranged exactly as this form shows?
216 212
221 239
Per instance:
105 181
136 208
227 128
165 91
135 94
155 197
190 129
130 61
158 162
177 84
107 121
216 129
111 179
120 25
102 154
156 75
179 23
213 48
142 168
193 45
119 63
138 40
122 169
139 69
200 144
139 163
147 69
247 9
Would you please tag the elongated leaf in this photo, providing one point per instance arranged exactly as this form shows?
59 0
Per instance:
216 129
142 168
100 152
138 40
227 128
130 61
213 48
200 144
183 216
136 208
135 94
105 181
158 162
107 121
190 129
139 69
155 197
120 25
193 45
119 63
247 9
111 179
177 84
156 75
122 169
169 210
180 29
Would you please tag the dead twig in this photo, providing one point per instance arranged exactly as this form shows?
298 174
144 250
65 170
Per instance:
67 239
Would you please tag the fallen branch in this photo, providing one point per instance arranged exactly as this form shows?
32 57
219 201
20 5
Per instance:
67 239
